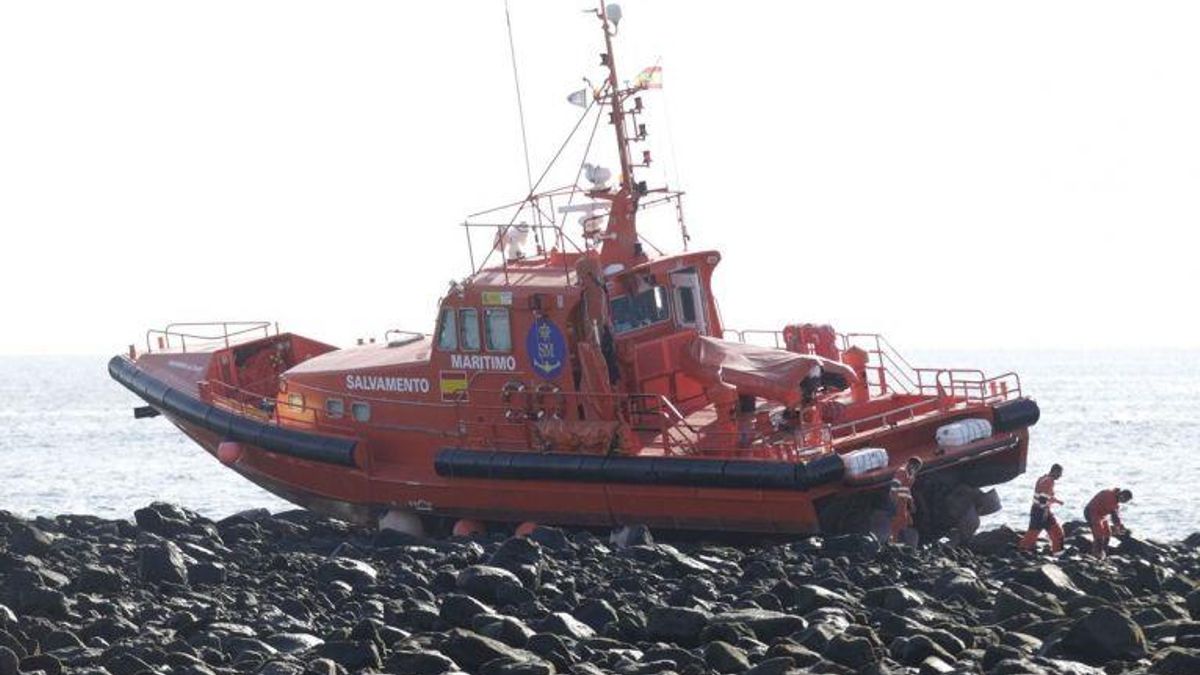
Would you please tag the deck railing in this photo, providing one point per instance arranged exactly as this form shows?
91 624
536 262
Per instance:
206 334
889 372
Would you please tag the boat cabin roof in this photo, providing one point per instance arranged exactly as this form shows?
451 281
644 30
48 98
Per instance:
378 355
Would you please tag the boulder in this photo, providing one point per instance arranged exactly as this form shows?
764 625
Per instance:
778 665
45 602
1193 604
485 581
294 643
565 625
852 652
893 598
28 540
995 542
666 555
356 573
596 613
812 596
352 655
165 520
766 624
1051 579
460 610
471 650
1176 661
679 625
10 663
510 666
912 651
207 574
1104 634
420 662
723 657
161 562
98 579
509 630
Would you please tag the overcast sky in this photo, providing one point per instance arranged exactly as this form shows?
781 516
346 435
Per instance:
953 174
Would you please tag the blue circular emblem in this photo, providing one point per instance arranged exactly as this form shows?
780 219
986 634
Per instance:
547 348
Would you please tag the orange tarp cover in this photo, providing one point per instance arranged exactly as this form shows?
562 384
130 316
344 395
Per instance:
773 374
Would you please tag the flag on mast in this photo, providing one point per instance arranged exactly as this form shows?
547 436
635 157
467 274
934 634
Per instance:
650 78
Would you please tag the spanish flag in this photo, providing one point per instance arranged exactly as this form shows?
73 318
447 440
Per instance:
650 78
454 386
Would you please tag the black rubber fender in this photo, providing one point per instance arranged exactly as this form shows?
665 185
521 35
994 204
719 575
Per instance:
291 442
1020 413
681 471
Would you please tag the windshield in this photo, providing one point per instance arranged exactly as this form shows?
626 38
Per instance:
630 312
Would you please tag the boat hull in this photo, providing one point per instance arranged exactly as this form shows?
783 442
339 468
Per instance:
659 492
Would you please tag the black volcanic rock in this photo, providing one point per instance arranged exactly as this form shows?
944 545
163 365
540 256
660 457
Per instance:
296 593
485 581
680 625
1104 634
162 562
356 573
353 655
10 663
725 658
26 539
420 662
165 520
471 650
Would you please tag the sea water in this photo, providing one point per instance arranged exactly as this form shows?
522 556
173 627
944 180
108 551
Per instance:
69 443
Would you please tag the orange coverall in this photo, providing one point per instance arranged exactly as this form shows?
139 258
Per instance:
1042 518
904 503
1104 505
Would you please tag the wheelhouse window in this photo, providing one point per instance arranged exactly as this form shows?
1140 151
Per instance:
361 411
468 333
448 330
687 304
296 402
631 312
497 330
335 408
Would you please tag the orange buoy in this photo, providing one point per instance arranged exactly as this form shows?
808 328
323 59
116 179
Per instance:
229 453
526 528
466 527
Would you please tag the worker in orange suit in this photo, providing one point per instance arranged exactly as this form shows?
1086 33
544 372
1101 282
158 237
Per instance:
902 522
1103 507
1041 514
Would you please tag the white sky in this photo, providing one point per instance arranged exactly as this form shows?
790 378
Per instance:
1019 174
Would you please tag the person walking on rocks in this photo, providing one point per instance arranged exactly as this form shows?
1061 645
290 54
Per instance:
1103 507
1041 517
903 529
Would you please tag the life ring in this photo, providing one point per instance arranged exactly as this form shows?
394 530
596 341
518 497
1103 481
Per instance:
506 397
542 394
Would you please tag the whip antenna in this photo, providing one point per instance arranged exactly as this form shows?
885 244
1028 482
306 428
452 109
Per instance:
512 52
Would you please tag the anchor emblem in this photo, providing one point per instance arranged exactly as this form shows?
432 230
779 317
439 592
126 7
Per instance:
546 348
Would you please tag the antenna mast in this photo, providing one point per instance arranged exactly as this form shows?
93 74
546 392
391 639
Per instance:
617 116
620 237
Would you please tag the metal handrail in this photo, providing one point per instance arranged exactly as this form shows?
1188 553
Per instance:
240 328
906 412
406 336
894 371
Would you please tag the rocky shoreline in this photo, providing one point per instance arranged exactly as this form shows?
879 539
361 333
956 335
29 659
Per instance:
293 593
